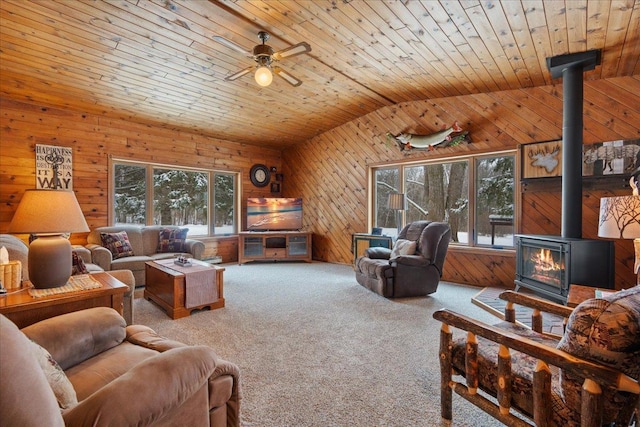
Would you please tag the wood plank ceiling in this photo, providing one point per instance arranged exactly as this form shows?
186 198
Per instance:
156 61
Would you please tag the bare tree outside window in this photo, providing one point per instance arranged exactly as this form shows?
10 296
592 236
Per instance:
442 192
438 192
387 181
494 200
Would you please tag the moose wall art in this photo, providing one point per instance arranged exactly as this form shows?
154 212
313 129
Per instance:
542 159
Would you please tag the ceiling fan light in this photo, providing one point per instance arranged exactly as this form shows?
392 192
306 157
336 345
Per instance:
263 76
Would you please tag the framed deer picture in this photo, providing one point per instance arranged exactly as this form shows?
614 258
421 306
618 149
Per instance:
611 158
542 159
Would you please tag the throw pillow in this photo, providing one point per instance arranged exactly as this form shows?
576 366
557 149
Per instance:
117 243
606 331
57 379
172 240
403 247
77 265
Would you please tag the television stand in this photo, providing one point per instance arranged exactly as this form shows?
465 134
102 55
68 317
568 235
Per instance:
274 246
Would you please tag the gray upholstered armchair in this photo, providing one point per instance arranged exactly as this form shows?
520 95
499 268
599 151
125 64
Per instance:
87 368
413 267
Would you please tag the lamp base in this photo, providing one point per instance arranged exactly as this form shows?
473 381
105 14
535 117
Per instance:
49 261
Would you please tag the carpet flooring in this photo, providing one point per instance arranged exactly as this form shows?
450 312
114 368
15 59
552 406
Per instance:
316 349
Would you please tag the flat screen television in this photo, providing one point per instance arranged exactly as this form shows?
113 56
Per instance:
274 213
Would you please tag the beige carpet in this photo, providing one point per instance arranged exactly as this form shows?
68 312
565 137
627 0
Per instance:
317 349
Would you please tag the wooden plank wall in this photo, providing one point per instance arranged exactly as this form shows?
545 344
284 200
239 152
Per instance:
330 171
93 139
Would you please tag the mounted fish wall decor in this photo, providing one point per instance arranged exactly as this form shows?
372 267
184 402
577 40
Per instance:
448 137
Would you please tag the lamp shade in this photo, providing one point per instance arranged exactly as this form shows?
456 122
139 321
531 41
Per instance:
48 212
619 217
396 201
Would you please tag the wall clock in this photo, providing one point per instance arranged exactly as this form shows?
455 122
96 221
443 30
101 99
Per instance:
259 175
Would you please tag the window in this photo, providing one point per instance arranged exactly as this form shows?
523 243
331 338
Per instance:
157 194
386 181
129 190
494 205
474 194
439 191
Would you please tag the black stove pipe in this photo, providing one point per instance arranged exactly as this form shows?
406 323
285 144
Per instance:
571 68
572 125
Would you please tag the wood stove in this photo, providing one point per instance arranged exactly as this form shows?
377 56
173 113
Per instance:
549 264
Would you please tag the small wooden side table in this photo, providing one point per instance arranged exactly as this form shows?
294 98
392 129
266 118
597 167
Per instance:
24 310
580 293
362 241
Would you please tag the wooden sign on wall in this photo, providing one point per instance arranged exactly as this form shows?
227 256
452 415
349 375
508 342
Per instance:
54 167
542 159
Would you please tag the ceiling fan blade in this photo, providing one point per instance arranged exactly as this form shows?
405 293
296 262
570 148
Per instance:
231 45
293 81
240 74
296 49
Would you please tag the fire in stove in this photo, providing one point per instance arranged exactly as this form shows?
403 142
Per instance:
549 264
545 267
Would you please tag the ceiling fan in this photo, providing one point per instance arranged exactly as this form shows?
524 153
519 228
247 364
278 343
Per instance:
265 57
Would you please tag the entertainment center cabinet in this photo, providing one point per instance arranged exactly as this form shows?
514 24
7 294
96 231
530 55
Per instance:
274 246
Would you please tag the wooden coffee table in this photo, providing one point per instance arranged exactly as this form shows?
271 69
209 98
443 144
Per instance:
166 287
24 310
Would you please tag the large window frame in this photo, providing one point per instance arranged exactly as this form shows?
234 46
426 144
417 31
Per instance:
474 239
213 176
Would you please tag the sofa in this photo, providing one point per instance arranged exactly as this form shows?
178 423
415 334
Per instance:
144 244
125 276
19 251
89 368
412 268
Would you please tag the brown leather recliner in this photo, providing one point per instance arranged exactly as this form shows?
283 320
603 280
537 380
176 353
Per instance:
120 376
409 275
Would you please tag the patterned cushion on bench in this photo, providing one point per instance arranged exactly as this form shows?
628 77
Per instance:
606 331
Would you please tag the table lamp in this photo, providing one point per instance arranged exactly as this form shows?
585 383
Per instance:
396 202
620 219
49 214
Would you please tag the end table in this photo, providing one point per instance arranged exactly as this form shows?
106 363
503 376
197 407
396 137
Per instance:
24 310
